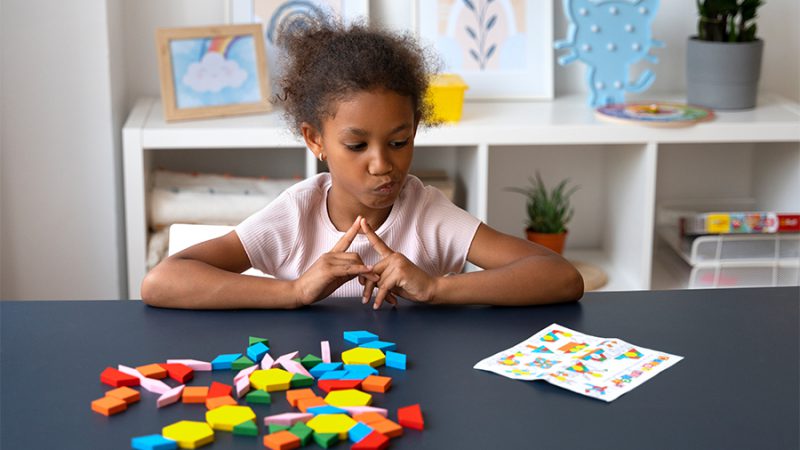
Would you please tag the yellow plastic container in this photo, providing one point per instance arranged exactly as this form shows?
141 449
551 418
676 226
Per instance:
446 95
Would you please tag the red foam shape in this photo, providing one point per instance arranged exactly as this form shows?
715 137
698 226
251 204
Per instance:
411 417
335 385
178 372
373 441
114 377
219 390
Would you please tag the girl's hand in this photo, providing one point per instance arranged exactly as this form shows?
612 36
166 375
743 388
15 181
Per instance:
332 270
398 275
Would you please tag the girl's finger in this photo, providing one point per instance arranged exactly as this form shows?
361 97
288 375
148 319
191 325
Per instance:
349 235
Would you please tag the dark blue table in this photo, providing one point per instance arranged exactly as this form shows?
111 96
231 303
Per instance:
737 388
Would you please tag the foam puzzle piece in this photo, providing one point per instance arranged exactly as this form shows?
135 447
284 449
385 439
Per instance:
116 378
359 337
303 432
108 406
411 417
369 417
218 389
319 369
271 380
361 355
246 428
388 428
373 441
267 362
396 360
325 409
195 394
294 367
274 428
358 432
242 386
380 345
257 351
609 36
364 369
299 381
245 373
216 402
333 375
200 366
310 361
348 397
179 372
337 385
243 362
225 361
149 384
189 433
332 423
353 410
152 371
125 394
304 403
170 397
153 442
325 350
287 418
376 383
286 357
252 340
326 440
292 396
226 417
260 397
282 440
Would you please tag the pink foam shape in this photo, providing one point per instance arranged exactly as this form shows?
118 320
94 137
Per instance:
286 357
353 410
288 419
245 373
170 397
149 384
267 362
193 363
295 367
326 351
243 386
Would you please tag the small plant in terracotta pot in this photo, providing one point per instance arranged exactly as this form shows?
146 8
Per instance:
549 211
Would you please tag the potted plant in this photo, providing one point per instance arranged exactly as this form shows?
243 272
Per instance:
549 211
723 62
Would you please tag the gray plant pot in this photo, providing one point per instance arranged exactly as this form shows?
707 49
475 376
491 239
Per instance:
723 75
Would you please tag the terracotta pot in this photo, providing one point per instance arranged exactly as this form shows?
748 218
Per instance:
553 241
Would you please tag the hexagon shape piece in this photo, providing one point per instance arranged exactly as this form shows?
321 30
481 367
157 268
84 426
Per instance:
361 355
332 423
228 416
189 434
348 397
271 380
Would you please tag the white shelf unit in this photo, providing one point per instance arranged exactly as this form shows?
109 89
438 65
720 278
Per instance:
623 171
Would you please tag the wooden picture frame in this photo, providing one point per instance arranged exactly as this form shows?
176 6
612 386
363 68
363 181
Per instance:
503 49
213 71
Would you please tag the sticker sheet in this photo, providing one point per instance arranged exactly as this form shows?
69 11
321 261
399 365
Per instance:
602 368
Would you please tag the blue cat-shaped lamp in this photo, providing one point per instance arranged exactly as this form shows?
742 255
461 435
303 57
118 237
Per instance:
609 36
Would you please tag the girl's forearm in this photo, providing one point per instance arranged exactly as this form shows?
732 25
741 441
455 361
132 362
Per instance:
191 284
533 280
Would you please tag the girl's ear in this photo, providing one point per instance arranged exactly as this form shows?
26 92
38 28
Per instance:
312 137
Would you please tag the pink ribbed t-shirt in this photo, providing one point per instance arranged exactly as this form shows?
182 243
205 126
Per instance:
287 236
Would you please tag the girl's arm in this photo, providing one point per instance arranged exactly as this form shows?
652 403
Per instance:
517 272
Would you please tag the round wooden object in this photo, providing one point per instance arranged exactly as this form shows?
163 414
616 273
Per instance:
654 114
593 276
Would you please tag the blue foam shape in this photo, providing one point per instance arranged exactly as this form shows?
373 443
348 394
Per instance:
359 337
333 375
380 345
396 360
327 409
257 351
225 361
359 431
321 368
358 371
609 36
153 442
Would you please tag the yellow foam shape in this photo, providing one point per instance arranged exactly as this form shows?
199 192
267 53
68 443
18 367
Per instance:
189 434
359 355
348 397
228 416
271 380
332 423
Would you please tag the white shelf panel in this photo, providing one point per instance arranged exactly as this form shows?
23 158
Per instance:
618 279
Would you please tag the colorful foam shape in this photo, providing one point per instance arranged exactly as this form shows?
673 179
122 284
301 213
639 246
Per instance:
376 383
152 371
304 403
294 367
225 361
271 380
108 406
359 337
325 409
348 397
267 362
242 386
274 428
326 440
353 410
325 351
243 362
260 397
252 340
299 381
361 355
358 432
245 373
319 369
396 360
189 433
302 431
170 397
380 345
246 428
113 377
337 385
294 395
287 418
257 351
282 440
195 394
339 424
153 442
309 361
333 375
411 417
125 394
179 372
226 417
373 441
216 402
218 389
200 366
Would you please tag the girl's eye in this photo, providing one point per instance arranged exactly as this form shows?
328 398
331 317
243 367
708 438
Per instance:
399 144
356 147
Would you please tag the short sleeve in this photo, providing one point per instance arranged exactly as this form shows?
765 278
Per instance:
446 231
269 235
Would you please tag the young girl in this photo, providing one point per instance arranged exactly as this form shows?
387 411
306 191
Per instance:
367 229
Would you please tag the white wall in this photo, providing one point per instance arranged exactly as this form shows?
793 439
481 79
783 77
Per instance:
63 105
60 173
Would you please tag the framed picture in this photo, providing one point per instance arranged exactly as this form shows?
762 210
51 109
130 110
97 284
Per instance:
273 14
502 48
212 71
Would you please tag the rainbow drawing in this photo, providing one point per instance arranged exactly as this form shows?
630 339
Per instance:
219 45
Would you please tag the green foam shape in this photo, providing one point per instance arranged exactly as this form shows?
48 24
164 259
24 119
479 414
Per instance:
302 431
309 361
274 428
253 340
246 428
258 396
299 380
326 440
242 363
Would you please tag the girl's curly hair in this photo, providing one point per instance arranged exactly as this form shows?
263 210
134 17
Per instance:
325 62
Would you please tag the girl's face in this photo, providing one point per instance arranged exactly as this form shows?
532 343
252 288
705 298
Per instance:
368 144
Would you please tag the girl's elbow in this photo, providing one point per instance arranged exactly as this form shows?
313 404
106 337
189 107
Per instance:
150 289
573 286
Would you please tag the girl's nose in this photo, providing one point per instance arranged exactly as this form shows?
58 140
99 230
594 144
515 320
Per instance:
380 163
